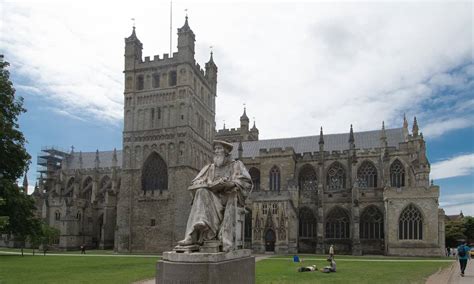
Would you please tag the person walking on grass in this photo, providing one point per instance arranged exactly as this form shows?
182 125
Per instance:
83 249
331 251
463 256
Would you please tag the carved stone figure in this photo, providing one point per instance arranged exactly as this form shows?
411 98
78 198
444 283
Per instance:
219 191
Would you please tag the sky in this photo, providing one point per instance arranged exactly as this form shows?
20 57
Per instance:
296 66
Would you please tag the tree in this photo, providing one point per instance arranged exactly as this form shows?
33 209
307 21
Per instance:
13 154
454 231
42 234
469 226
18 207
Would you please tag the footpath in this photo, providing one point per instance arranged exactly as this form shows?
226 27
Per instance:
452 274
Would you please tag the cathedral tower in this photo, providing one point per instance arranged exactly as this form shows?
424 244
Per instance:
169 122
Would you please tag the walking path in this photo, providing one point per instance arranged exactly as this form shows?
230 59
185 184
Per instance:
452 274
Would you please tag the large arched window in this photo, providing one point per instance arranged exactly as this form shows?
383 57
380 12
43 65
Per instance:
87 188
410 224
367 175
154 174
307 178
275 179
307 224
255 175
397 174
338 224
371 224
336 177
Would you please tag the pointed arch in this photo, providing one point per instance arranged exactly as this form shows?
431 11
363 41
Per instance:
397 174
307 223
336 177
410 224
154 173
275 179
371 223
255 176
307 179
338 224
367 175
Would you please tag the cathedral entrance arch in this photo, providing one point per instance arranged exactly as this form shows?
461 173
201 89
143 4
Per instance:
270 240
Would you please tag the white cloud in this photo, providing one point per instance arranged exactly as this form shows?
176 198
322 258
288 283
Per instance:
297 66
457 166
455 203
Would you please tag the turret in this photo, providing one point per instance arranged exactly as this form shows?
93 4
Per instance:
254 131
351 139
405 127
133 51
415 128
186 39
321 140
244 122
96 161
211 73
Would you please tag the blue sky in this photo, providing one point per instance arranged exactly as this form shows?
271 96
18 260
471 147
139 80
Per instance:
296 66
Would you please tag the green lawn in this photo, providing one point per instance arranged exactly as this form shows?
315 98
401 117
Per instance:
280 269
349 270
75 269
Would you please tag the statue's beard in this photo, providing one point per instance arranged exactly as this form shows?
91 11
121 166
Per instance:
219 160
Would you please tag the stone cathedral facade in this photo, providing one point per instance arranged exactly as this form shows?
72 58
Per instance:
365 192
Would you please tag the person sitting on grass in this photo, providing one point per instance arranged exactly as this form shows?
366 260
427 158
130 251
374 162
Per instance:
331 268
308 268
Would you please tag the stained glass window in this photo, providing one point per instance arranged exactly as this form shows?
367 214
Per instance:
337 224
154 174
307 178
336 177
307 223
367 175
371 224
397 174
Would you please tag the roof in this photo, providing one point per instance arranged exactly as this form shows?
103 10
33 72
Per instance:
332 142
88 160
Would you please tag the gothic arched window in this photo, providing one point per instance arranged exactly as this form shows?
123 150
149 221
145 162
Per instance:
154 174
307 224
307 179
255 175
87 188
367 175
140 82
275 179
172 78
397 174
336 177
156 80
338 224
371 224
410 224
57 215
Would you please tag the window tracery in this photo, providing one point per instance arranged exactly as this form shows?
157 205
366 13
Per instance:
275 179
397 174
307 224
338 224
367 175
410 224
336 177
154 174
307 179
371 224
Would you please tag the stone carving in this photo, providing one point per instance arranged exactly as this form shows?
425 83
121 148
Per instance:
219 193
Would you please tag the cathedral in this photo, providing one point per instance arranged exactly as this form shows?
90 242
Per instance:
363 192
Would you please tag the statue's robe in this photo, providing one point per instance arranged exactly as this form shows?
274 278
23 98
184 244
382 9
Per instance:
218 209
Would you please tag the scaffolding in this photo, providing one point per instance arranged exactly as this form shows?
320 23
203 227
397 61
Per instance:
49 161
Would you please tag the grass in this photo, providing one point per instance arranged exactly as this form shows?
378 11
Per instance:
95 252
73 269
279 269
349 270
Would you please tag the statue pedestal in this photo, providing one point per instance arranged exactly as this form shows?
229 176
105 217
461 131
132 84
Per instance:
223 267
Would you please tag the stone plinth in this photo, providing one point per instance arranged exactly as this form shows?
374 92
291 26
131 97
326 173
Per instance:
223 267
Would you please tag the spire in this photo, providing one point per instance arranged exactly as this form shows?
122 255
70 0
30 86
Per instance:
25 183
114 158
133 36
321 137
351 136
254 127
244 116
415 128
185 27
97 161
383 135
405 122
